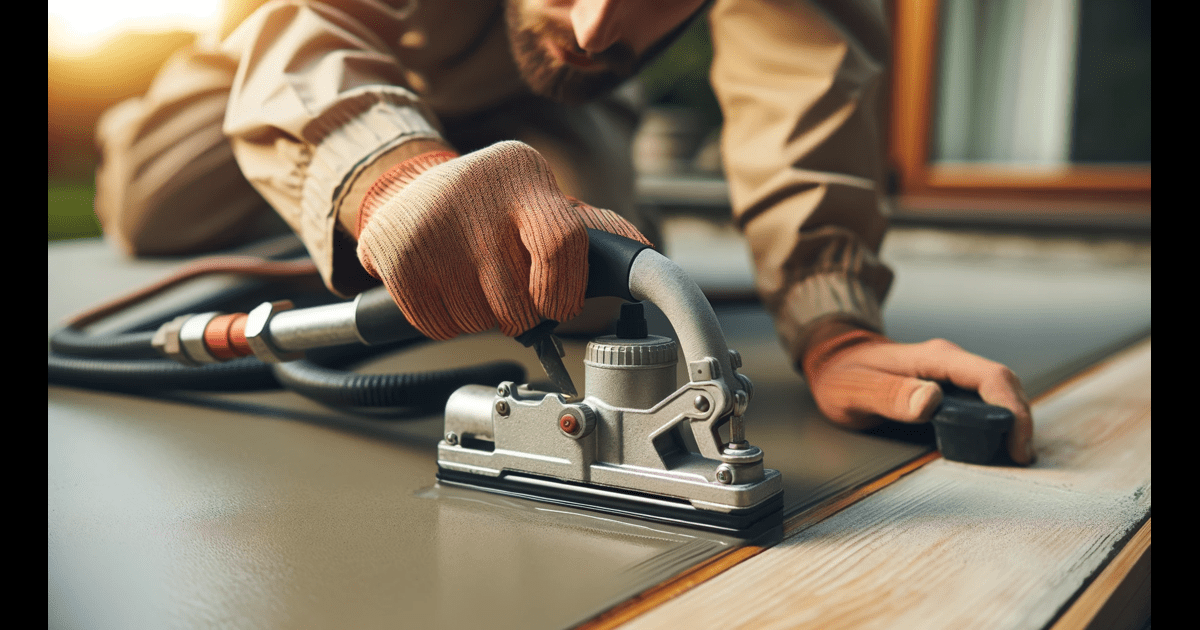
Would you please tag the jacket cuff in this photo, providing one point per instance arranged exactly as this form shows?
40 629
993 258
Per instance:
847 283
349 139
824 297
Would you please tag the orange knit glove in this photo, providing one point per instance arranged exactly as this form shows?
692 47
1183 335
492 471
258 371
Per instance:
858 378
464 244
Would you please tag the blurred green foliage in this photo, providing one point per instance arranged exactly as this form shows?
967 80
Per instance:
69 210
78 89
678 77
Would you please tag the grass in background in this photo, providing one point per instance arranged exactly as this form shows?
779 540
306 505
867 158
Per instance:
69 210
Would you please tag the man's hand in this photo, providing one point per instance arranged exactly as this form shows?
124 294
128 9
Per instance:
858 378
464 244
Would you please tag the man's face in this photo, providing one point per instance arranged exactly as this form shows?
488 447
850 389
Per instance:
575 50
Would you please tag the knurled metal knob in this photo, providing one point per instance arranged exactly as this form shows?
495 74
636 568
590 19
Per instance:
577 421
650 351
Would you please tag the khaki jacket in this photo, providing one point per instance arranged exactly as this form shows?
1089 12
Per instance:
303 104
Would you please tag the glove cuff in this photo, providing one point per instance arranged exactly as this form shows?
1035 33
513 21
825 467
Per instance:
394 180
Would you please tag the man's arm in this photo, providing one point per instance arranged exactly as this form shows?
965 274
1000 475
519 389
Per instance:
802 91
324 119
803 153
319 104
165 163
169 182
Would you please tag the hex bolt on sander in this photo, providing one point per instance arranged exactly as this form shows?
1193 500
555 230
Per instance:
635 443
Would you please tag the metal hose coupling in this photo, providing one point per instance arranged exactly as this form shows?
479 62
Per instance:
201 338
277 332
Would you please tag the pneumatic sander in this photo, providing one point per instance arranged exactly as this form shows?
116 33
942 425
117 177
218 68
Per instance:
635 443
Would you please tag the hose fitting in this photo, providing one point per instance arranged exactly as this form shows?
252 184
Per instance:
214 337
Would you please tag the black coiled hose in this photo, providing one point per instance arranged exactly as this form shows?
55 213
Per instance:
247 374
73 342
422 390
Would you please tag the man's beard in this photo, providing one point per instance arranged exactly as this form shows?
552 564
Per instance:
562 82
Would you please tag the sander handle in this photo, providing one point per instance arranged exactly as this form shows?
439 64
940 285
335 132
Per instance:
610 259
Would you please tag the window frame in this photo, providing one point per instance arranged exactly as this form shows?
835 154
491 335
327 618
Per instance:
922 185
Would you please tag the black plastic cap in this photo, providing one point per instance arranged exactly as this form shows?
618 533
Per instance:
970 430
632 324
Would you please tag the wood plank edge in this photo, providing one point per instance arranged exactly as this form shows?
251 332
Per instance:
841 501
1060 376
669 589
1118 595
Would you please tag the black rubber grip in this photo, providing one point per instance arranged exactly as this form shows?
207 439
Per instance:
610 258
379 320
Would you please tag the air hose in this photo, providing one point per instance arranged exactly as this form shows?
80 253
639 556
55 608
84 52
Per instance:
338 388
332 387
248 374
73 342
129 362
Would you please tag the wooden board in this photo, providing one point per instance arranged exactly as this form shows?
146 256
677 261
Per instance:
959 546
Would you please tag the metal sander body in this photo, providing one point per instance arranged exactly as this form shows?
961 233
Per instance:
635 442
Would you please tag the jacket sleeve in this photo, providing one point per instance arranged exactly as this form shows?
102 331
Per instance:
317 98
801 90
165 164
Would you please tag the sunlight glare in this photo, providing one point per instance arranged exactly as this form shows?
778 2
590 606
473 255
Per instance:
77 26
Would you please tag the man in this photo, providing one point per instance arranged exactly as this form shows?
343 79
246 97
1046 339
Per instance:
383 136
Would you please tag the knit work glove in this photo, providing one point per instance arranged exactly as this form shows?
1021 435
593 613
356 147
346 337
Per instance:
464 244
858 378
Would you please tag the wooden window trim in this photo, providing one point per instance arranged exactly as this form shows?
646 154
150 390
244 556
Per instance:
924 185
